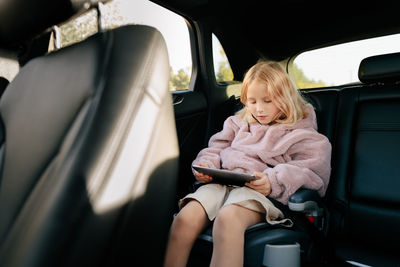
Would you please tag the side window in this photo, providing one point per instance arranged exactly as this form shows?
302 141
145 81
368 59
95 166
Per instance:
338 65
222 69
172 26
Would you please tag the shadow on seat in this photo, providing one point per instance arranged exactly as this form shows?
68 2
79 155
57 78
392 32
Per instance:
90 139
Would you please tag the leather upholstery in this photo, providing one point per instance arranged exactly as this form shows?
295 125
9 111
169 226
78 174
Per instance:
366 170
363 193
90 140
325 104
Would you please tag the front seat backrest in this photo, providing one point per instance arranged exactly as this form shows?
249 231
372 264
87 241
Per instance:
89 141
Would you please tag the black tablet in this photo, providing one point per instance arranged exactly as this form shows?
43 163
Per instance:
225 176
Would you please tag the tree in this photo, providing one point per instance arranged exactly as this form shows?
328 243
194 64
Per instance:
179 81
302 81
79 29
224 70
87 24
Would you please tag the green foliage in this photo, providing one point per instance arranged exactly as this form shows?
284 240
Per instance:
302 81
181 80
86 25
79 29
178 81
224 72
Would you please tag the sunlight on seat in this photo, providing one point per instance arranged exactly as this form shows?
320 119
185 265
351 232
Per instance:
125 172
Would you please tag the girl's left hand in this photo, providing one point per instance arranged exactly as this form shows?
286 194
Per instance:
261 185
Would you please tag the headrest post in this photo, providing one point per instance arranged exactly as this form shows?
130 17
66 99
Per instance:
100 19
56 37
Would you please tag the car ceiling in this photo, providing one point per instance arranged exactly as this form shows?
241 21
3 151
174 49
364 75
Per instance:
280 29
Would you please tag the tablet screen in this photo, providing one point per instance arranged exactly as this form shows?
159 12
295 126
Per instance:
225 176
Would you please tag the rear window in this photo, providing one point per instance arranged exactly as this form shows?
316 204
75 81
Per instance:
338 65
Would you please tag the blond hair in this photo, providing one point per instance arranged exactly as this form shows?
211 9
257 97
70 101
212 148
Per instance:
281 91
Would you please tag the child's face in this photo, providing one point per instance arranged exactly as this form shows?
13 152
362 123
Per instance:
259 103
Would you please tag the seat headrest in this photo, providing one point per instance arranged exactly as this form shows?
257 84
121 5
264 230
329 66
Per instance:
381 68
21 20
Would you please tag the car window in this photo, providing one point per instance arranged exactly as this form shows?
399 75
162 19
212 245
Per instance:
222 68
78 29
172 26
338 64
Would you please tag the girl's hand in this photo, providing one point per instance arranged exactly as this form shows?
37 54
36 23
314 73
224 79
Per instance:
261 185
201 177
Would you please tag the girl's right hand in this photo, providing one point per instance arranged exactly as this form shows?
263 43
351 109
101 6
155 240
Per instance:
201 177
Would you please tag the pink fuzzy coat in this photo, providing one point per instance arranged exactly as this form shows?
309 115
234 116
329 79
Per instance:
292 156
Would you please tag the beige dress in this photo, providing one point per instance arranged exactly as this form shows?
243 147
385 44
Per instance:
213 197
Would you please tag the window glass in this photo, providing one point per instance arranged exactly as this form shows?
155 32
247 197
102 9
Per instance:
222 69
172 26
338 64
78 29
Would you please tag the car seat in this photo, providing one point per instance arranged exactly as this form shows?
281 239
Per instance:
88 145
363 196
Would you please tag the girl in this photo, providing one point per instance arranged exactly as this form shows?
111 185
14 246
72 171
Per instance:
275 138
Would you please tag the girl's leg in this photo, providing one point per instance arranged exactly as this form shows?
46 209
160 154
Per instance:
185 228
228 234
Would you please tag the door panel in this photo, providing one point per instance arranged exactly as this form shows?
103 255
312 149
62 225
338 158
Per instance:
191 123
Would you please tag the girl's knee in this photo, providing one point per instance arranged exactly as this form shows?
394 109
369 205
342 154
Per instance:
192 216
228 220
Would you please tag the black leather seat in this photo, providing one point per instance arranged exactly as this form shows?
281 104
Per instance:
325 103
89 154
364 196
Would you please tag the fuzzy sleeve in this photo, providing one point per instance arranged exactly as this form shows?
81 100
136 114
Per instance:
308 167
218 142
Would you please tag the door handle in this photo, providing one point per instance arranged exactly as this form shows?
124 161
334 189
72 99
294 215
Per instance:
178 99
